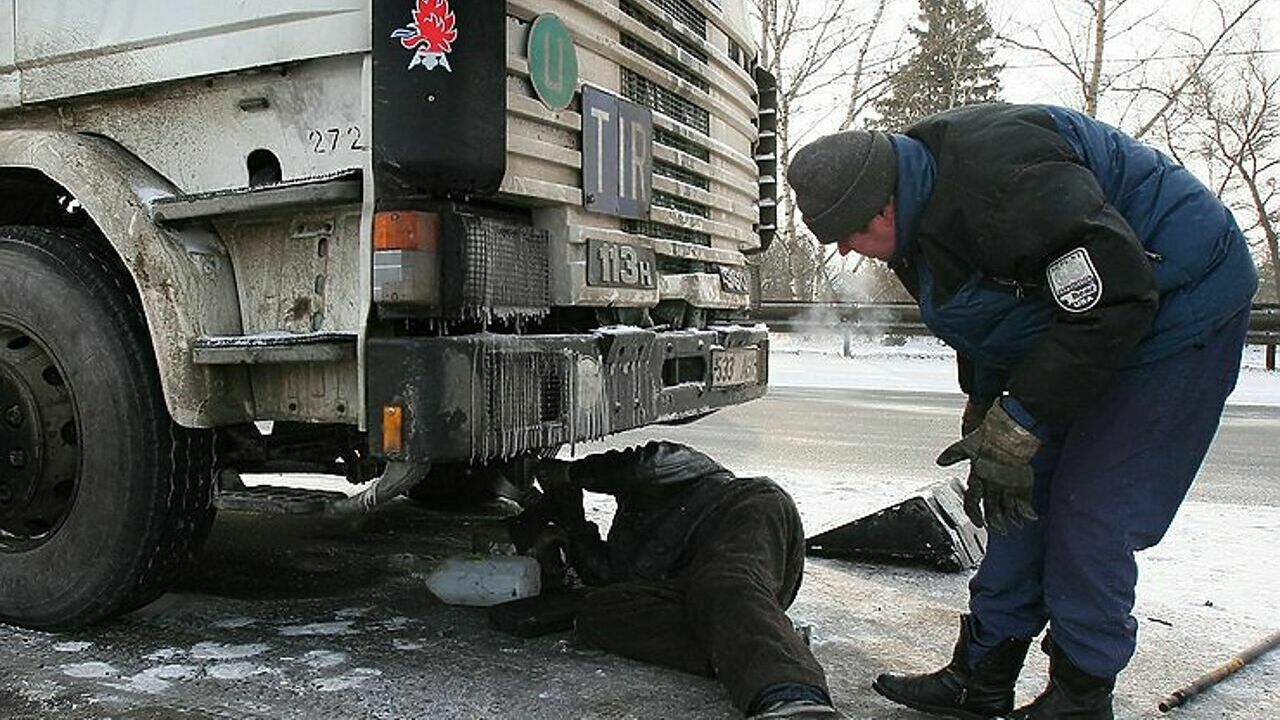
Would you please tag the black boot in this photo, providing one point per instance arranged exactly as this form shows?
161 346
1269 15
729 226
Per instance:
984 692
1071 694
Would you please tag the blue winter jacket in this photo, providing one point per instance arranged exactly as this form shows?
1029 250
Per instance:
1050 250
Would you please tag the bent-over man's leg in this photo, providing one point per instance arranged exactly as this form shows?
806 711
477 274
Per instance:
1006 596
1124 471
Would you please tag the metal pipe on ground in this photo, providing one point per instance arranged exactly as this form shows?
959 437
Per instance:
398 478
1220 673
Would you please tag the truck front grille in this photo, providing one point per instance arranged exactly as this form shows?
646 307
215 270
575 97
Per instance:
677 58
685 13
648 53
637 88
664 231
664 137
679 204
648 20
679 174
640 89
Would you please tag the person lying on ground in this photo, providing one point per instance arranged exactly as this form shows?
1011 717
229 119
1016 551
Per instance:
697 571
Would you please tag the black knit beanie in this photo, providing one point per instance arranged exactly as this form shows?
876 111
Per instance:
841 181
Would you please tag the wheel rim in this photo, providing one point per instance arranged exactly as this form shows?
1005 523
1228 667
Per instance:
39 441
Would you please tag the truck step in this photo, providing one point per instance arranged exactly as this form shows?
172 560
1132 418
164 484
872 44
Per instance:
274 500
312 191
275 348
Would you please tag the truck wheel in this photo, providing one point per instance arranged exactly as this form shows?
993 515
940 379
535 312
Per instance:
103 498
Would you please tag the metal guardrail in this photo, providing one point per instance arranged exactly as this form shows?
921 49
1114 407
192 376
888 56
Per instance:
903 319
868 318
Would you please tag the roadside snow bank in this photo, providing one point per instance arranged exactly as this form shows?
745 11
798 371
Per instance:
923 364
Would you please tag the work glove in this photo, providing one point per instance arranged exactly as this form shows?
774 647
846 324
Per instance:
564 495
587 553
1000 452
974 410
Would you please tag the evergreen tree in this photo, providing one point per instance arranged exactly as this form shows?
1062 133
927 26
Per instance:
950 67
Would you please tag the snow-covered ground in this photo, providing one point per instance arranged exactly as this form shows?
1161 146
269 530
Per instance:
294 618
924 364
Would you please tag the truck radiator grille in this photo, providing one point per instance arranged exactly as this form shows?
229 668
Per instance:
679 204
664 231
679 174
683 24
648 53
648 20
686 14
662 136
640 89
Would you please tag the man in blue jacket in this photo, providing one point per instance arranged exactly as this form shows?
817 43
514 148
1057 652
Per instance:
1097 296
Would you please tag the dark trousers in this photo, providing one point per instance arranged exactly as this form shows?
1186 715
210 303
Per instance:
1107 486
723 615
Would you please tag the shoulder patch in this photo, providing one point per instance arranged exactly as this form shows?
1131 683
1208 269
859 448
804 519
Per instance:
1074 282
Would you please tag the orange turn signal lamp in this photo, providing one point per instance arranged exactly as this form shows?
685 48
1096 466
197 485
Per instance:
392 430
406 230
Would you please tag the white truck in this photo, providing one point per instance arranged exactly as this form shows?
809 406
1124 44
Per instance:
423 238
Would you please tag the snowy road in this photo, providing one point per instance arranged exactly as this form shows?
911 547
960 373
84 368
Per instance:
329 619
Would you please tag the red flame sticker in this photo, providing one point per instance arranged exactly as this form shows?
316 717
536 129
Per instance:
430 36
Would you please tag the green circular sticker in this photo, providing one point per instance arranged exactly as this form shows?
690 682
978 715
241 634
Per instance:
553 62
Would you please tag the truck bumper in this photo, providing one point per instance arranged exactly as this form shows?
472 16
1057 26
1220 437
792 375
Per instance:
480 397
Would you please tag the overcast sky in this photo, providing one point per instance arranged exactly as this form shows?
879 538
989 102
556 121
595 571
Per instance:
1032 77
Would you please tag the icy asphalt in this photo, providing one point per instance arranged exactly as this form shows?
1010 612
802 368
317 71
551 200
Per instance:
329 619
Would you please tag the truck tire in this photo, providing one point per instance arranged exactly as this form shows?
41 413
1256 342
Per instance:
103 498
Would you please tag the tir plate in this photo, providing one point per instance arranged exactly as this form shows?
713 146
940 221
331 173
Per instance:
738 366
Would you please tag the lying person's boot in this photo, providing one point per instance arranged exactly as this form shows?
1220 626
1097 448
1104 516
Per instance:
980 693
1072 694
798 710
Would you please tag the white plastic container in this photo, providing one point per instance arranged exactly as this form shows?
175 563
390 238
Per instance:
481 581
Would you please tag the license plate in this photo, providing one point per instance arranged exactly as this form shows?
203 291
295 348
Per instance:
615 264
738 366
735 280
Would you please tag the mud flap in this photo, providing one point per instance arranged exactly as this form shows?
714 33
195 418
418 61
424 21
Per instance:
929 528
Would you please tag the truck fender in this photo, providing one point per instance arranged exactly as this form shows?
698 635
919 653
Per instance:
183 274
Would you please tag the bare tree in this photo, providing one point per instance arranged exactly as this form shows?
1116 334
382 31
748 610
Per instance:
1229 115
816 52
873 68
1076 42
1083 31
1228 21
800 49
